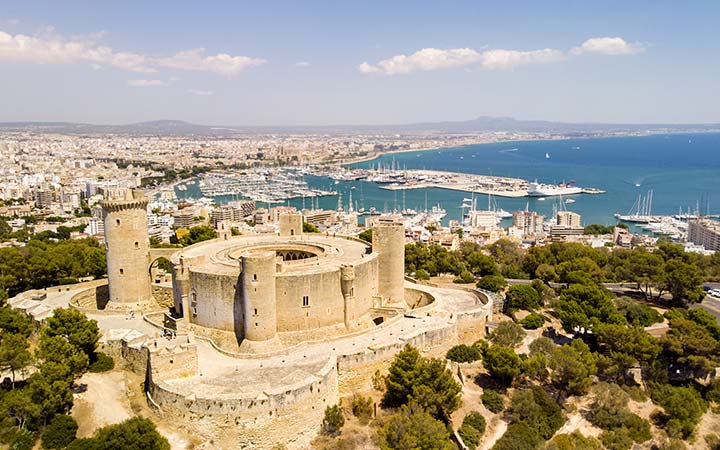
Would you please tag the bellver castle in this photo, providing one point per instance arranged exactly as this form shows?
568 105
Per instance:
266 331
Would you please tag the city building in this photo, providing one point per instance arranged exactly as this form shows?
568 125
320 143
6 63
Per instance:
569 219
531 223
704 232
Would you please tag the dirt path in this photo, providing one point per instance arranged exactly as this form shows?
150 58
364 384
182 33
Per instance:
100 401
103 399
496 429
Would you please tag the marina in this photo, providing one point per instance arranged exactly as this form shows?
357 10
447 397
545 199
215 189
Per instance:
394 179
262 186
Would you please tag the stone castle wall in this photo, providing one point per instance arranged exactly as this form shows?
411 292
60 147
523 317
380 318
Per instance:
215 303
212 301
258 419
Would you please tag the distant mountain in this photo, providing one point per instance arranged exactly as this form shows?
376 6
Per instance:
480 124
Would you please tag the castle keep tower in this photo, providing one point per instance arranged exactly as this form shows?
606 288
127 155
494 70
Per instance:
388 241
259 303
127 248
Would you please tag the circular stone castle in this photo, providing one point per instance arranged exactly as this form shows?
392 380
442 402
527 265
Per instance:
256 294
265 331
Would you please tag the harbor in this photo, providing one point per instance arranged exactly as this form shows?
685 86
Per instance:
394 179
267 185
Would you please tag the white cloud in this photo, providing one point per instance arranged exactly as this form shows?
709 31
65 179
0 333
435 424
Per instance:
608 46
200 92
221 63
49 48
145 83
55 50
424 60
367 68
507 59
493 59
302 64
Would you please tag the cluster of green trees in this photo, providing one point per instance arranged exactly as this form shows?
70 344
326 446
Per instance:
40 264
65 348
609 411
23 235
668 269
426 393
466 263
596 229
36 404
533 418
197 234
609 342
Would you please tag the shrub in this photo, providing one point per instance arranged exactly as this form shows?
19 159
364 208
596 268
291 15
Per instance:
470 436
522 296
333 421
378 381
683 408
362 408
637 313
23 440
538 410
616 439
532 321
422 274
464 353
134 433
308 228
475 420
493 401
492 283
60 432
573 441
508 333
518 436
413 428
102 363
465 277
502 363
609 412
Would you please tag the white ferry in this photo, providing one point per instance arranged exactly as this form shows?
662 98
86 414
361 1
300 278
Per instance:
536 189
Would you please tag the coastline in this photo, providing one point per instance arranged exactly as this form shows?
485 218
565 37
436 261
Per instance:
367 158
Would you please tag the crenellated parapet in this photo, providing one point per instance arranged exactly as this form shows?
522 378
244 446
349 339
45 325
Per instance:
122 205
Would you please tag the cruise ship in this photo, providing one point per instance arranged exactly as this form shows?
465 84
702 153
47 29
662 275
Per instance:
536 189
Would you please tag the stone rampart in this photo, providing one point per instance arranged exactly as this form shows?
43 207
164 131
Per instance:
284 413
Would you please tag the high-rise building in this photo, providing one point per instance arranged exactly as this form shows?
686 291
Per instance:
528 221
569 219
705 232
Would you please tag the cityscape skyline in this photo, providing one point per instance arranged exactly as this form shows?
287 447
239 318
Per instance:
326 64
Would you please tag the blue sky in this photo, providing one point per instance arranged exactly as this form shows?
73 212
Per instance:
341 62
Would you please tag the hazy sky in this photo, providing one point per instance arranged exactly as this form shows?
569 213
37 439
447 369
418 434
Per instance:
359 62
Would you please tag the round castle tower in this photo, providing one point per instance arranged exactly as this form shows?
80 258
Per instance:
388 241
259 302
127 249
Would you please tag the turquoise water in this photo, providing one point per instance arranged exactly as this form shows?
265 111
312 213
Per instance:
681 169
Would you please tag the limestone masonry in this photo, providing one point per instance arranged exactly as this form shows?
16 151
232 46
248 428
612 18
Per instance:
268 330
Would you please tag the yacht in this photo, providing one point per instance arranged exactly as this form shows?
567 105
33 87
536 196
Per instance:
536 189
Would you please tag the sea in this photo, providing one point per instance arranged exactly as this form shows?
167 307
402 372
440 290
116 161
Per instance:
681 170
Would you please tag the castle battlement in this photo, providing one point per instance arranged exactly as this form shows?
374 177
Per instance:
121 205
